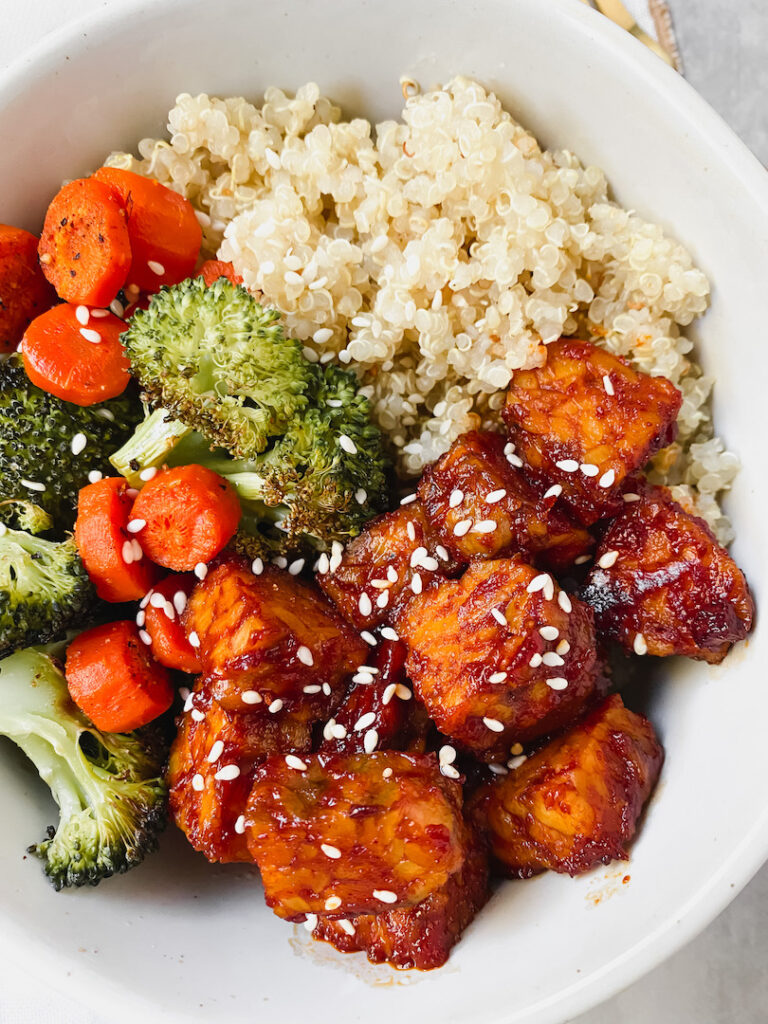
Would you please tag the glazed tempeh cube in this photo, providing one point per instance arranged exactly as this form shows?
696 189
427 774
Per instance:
351 834
661 584
481 506
575 803
586 420
500 655
266 637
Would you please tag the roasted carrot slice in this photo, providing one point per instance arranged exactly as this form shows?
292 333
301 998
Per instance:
162 226
112 555
189 513
24 291
114 679
84 249
162 620
212 270
75 356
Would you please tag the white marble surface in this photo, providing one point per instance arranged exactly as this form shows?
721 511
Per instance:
721 975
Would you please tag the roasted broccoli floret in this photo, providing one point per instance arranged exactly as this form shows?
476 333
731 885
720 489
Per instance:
320 481
44 589
109 787
48 447
219 362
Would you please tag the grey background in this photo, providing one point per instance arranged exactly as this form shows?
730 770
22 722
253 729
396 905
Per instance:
721 977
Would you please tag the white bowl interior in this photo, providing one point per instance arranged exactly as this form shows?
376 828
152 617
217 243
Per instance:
184 940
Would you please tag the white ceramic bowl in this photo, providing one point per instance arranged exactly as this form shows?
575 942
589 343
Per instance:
180 940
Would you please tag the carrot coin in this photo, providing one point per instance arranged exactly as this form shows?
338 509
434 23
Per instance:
24 291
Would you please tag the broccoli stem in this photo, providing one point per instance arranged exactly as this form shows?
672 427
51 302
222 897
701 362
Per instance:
150 446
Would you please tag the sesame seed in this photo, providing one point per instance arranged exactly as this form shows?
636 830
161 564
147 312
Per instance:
295 567
456 498
305 655
117 307
410 529
328 729
369 638
388 694
216 751
408 499
565 602
99 313
390 634
82 315
391 574
333 403
197 715
563 647
322 335
132 493
339 731
93 477
639 644
361 496
310 922
281 562
295 762
275 706
536 660
240 825
364 721
156 268
141 618
462 527
509 447
497 677
250 697
589 469
198 783
567 465
78 443
558 683
330 851
582 560
347 444
387 773
346 926
495 496
403 692
552 659
441 553
449 771
135 525
148 474
323 564
157 600
493 724
538 583
515 460
416 584
194 639
515 762
332 903
385 895
516 748
554 491
146 599
607 479
312 688
499 616
228 773
370 741
364 604
417 556
90 335
485 526
608 559
549 632
630 496
34 485
362 677
497 769
608 385
201 570
337 553
145 637
446 754
127 552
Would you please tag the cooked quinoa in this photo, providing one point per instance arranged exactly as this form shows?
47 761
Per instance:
437 254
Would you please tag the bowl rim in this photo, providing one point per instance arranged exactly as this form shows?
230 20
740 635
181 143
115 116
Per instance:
77 980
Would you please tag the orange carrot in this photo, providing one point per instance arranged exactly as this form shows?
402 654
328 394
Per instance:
212 270
114 680
169 641
190 513
164 232
75 356
112 555
24 291
84 249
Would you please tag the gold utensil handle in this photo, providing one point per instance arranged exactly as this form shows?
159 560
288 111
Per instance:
618 13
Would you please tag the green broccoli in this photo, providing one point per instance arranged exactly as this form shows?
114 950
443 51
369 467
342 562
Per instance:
217 361
109 788
44 589
48 447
